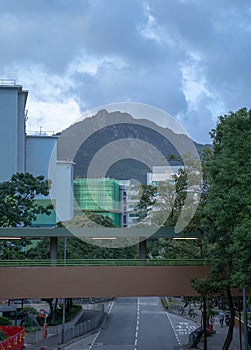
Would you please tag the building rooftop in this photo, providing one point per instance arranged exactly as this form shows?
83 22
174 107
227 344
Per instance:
9 84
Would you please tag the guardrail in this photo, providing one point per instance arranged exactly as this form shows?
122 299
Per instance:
8 82
104 262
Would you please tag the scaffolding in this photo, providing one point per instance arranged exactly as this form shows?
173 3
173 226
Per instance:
101 196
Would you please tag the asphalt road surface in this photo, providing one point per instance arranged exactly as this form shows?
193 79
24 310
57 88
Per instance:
132 324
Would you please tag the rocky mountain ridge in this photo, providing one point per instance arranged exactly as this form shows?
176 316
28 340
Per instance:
135 145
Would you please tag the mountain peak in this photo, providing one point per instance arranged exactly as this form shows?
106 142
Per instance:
83 140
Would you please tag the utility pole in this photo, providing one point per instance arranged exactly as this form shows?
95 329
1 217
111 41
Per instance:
245 314
63 314
240 331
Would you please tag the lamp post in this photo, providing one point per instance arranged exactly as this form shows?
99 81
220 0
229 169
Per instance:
245 314
63 314
239 316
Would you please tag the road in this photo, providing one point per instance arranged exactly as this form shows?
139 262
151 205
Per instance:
132 324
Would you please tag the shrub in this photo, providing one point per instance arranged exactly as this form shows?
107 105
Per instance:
164 303
2 335
4 321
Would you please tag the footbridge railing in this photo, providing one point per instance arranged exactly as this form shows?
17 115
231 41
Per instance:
103 262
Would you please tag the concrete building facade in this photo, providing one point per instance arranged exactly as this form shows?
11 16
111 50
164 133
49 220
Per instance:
35 154
162 173
12 132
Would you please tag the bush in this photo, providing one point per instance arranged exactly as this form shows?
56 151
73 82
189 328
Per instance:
164 303
2 335
58 316
4 321
27 311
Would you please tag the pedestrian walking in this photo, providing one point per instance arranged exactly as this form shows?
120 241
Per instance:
221 318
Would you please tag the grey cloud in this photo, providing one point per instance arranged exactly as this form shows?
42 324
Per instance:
54 33
41 33
43 7
160 87
220 32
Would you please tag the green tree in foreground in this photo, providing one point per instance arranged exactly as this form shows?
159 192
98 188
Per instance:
227 213
18 206
17 199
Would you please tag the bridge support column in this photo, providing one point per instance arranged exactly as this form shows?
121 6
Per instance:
142 248
53 248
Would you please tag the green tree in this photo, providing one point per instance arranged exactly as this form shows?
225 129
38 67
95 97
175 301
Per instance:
28 315
17 199
18 206
168 202
227 213
146 199
78 249
206 288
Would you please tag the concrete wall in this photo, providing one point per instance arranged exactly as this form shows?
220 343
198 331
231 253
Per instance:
40 152
41 159
12 137
22 97
64 191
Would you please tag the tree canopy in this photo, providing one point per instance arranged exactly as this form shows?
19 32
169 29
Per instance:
228 209
18 204
227 213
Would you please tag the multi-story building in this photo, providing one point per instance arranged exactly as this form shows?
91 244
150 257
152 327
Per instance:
129 202
12 132
36 154
162 173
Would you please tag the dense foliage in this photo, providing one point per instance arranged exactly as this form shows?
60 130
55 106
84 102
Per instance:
17 199
227 213
78 249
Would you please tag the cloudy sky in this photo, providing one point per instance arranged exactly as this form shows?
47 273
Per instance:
190 58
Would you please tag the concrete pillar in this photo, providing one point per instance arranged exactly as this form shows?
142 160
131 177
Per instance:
53 248
142 248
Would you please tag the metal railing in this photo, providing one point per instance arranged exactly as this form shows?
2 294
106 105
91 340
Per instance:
7 82
40 132
104 262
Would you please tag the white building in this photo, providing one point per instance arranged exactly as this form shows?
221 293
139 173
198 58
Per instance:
129 201
162 173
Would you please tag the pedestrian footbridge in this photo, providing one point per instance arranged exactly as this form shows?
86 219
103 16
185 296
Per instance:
97 281
95 278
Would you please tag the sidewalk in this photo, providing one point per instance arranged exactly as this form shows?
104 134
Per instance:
53 341
217 339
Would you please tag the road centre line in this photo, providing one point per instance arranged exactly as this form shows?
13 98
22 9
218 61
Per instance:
137 326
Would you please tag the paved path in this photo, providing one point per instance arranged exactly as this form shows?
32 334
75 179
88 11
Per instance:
52 342
215 341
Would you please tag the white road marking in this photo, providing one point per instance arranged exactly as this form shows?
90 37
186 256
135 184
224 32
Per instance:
137 326
176 336
153 312
181 328
98 333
